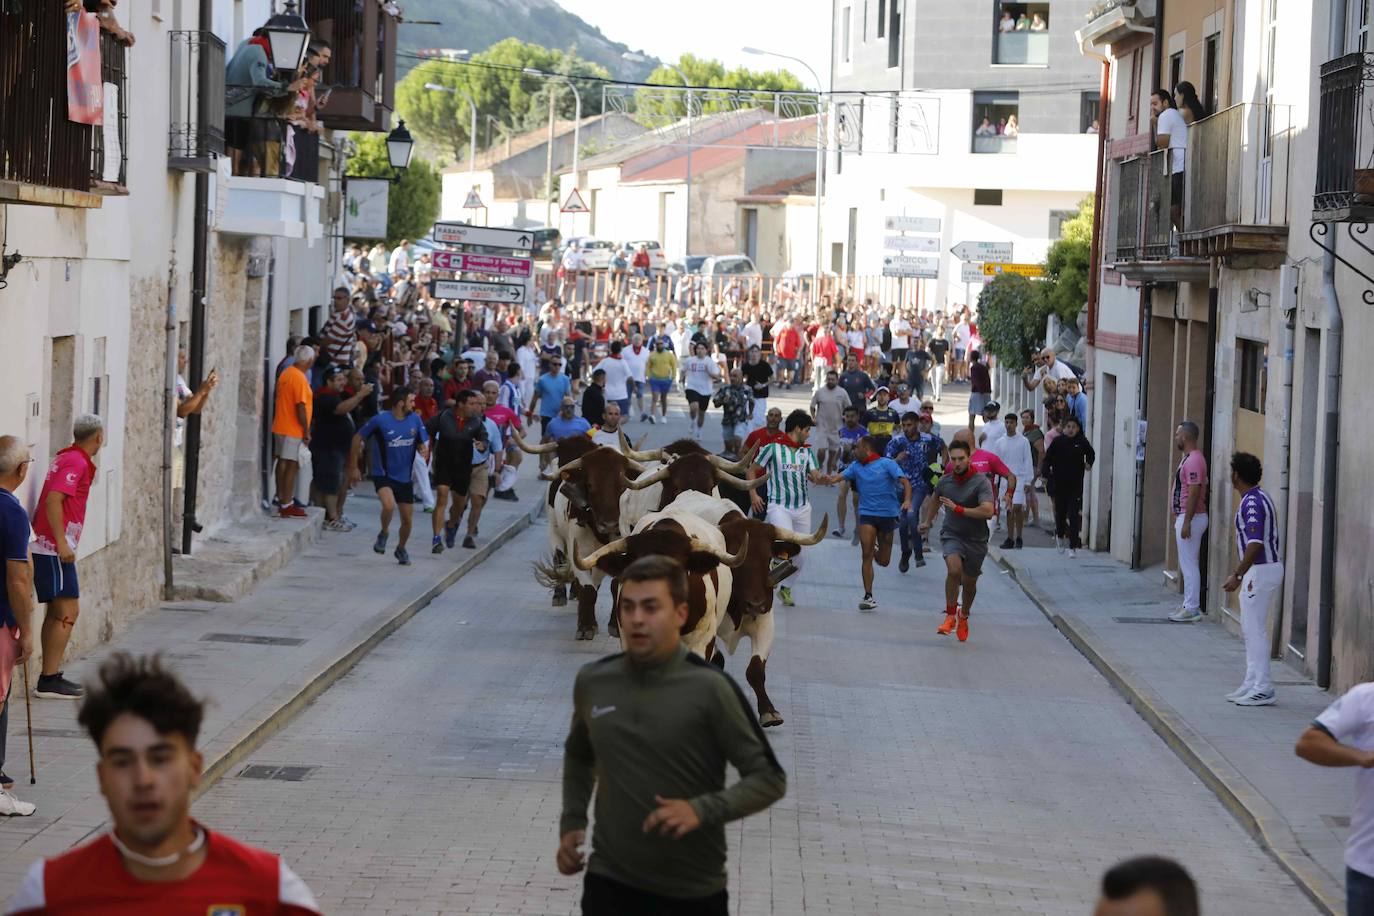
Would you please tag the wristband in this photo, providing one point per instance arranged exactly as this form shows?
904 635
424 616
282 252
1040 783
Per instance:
958 510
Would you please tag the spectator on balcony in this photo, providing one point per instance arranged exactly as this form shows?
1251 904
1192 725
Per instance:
1023 23
985 129
1038 23
104 11
1171 133
1189 105
253 139
1007 23
1012 128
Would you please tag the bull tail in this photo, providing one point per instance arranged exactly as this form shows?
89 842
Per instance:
551 574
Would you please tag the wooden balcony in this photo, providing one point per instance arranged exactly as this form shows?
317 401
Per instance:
1141 196
361 74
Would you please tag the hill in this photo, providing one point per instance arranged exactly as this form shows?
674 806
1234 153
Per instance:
478 24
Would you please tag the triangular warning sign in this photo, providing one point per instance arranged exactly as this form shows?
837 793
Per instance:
575 203
473 202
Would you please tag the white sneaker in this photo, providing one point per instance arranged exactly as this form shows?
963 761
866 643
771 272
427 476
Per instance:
13 807
1239 692
1258 698
1058 543
1072 553
1186 615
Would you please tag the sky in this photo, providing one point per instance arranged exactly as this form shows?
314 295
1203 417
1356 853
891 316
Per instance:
719 28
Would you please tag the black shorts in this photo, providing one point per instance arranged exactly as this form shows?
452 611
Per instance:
326 468
1176 186
602 895
696 397
453 472
403 493
884 523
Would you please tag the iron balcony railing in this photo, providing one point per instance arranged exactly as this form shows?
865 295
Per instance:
1237 168
197 70
110 141
38 144
1345 140
1159 199
1127 190
1144 199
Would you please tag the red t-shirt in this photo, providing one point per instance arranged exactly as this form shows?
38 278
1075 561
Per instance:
984 462
761 437
427 408
235 878
788 343
72 472
824 347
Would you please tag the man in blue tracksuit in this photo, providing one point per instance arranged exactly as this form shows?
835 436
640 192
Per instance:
914 449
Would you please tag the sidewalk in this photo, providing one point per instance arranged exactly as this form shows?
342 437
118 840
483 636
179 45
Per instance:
258 659
1177 676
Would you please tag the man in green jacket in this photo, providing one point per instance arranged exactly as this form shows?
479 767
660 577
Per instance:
654 726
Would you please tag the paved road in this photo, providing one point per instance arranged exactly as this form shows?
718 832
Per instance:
925 776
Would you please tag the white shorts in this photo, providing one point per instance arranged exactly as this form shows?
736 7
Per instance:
798 520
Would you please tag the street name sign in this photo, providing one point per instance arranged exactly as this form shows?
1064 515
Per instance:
972 272
1025 270
928 224
459 234
911 243
483 264
902 266
480 292
987 252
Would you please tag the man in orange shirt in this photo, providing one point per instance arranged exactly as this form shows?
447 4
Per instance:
291 428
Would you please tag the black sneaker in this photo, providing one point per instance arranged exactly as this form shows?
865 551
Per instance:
1019 545
402 556
57 687
904 563
1008 544
920 561
379 546
469 543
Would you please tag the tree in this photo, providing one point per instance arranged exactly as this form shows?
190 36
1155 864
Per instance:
413 204
1068 266
494 78
1011 317
712 73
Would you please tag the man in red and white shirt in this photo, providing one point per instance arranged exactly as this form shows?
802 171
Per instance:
57 524
157 859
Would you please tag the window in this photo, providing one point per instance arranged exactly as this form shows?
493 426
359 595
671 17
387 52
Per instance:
1175 69
751 233
1211 84
1359 29
1021 33
1057 220
882 17
1089 110
1133 97
894 33
987 197
1253 375
844 34
995 122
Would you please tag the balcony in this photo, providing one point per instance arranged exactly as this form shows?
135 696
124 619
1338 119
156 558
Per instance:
1142 194
1113 21
361 74
1345 143
110 141
45 158
1023 48
197 70
277 207
1236 191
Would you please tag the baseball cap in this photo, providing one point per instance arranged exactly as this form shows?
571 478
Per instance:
992 405
882 388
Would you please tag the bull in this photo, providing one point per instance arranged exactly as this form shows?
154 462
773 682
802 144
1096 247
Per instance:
688 467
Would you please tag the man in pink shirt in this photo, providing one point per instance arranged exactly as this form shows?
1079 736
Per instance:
1189 507
57 524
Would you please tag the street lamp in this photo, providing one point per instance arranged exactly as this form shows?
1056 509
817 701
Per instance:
288 36
577 117
399 147
472 124
687 232
816 278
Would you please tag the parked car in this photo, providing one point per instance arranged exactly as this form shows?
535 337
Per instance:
728 265
596 253
546 241
689 265
658 261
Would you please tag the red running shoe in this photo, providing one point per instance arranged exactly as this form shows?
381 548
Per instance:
962 631
948 626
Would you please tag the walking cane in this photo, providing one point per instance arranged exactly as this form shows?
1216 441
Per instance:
28 714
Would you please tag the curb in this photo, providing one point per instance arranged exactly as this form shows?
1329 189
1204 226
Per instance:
1255 813
291 698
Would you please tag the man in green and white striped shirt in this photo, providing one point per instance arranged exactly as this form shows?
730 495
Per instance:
792 468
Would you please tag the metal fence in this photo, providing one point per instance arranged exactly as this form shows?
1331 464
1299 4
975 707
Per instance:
1345 146
1128 188
595 287
196 66
110 142
1159 200
1237 168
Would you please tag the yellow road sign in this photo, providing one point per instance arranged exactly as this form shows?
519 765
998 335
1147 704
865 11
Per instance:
1025 270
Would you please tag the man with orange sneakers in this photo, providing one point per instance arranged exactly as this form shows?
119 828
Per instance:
969 501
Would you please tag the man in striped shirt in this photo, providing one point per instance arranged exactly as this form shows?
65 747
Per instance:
792 468
339 333
1258 576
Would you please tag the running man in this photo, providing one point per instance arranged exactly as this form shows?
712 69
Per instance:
457 433
393 437
662 369
791 468
914 449
875 478
968 500
702 372
156 858
850 434
827 408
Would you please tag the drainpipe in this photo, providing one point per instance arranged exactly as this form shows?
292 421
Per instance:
1147 298
1331 360
1288 301
169 409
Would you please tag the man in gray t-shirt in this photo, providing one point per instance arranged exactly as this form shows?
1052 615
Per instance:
968 501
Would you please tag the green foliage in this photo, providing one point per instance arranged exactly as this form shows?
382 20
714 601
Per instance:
519 101
1068 266
1011 317
705 72
413 204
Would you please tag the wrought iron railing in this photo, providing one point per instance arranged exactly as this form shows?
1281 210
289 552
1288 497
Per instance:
110 141
38 144
1127 190
1345 136
1144 198
1237 168
1159 200
197 69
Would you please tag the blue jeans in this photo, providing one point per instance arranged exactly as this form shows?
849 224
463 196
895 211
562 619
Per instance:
1359 893
908 527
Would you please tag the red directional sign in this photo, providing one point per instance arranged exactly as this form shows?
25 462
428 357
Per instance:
483 264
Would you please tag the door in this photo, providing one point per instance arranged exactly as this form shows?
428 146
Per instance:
1101 523
751 233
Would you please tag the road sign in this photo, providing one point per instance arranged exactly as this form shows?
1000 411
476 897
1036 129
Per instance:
929 224
973 272
474 201
987 252
1025 270
481 292
911 243
902 266
483 264
575 203
460 234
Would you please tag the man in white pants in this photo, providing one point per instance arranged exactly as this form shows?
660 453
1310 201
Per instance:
1258 576
1189 507
792 468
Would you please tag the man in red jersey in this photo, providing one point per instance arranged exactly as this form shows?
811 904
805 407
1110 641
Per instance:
157 860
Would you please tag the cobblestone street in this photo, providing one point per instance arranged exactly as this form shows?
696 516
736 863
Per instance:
925 776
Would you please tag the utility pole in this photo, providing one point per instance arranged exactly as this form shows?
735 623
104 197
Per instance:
548 166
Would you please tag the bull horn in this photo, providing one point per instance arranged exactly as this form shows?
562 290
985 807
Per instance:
735 467
645 482
740 482
802 540
725 559
575 465
543 449
587 564
635 466
625 449
544 475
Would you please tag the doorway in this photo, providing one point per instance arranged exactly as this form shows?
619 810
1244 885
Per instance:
1106 461
751 233
1299 569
